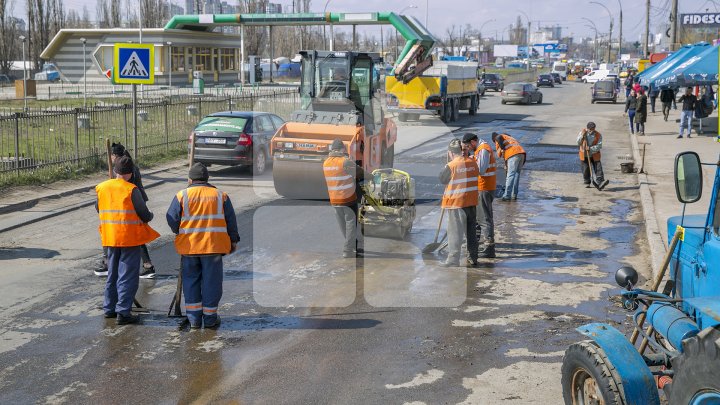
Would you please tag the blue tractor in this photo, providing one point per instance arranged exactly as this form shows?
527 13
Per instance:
682 322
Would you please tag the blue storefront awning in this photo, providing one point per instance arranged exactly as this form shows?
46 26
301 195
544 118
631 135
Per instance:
661 69
698 70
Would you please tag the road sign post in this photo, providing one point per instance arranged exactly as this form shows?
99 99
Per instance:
134 64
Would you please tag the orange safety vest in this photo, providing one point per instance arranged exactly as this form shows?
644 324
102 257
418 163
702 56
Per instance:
512 147
120 226
596 156
486 181
341 186
462 190
203 230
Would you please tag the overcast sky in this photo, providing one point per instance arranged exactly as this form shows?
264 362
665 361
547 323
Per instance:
444 13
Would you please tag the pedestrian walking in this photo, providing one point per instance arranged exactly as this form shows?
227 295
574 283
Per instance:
590 142
667 96
653 93
342 176
688 101
203 220
459 202
485 229
509 149
641 112
124 229
630 109
629 80
148 270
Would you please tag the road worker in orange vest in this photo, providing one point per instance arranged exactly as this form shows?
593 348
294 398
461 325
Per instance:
590 142
509 149
124 229
204 221
342 176
482 152
460 204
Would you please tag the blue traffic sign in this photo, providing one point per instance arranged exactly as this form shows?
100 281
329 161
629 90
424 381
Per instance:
134 63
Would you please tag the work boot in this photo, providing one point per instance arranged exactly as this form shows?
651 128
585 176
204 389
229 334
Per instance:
147 272
109 315
127 319
102 270
213 325
471 262
603 184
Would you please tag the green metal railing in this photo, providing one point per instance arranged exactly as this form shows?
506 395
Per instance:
410 28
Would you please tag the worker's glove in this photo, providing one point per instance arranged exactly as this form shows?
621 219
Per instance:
594 149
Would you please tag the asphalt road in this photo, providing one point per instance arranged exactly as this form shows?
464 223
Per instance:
302 325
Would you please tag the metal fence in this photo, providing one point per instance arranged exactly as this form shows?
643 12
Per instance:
75 138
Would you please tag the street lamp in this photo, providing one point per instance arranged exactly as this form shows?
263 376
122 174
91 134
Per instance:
83 40
427 12
594 27
620 40
528 38
611 28
396 33
22 38
169 44
480 35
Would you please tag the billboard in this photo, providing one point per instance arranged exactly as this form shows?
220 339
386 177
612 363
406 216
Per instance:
505 51
697 20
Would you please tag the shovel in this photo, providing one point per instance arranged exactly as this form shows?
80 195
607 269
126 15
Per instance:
592 168
431 247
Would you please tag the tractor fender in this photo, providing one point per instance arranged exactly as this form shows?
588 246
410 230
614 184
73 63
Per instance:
638 383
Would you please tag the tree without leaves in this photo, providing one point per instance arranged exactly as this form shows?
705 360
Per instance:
8 37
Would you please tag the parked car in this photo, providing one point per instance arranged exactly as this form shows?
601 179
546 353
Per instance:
236 138
604 90
521 93
494 81
545 80
556 77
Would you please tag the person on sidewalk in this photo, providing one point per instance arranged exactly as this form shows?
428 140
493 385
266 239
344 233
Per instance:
485 159
641 112
688 101
509 149
148 270
203 220
630 109
342 176
590 142
667 96
653 93
124 228
629 80
459 202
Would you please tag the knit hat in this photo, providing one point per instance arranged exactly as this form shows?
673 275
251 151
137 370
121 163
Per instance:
469 137
455 146
590 125
198 172
494 135
337 146
118 149
123 165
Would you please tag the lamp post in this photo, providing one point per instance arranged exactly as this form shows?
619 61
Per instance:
83 40
22 38
620 40
528 37
480 36
169 44
397 52
611 28
594 27
427 12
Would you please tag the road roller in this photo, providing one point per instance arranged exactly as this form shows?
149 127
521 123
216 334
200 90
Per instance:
339 100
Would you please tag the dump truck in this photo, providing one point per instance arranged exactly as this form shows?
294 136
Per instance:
679 355
339 98
442 90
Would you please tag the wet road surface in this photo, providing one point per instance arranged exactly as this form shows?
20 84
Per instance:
302 325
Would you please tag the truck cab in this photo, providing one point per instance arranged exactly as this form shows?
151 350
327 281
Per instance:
48 73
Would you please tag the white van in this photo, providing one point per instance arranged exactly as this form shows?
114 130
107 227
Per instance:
561 69
595 76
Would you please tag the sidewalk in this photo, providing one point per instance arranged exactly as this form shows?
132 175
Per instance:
658 184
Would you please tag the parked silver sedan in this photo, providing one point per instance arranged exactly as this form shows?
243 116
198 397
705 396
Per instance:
521 93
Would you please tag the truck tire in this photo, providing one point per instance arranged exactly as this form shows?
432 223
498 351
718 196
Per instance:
588 377
474 102
455 110
697 369
445 114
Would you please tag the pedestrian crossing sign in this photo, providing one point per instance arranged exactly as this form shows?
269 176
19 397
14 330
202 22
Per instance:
134 63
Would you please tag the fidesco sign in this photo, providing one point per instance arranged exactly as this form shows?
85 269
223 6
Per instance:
701 19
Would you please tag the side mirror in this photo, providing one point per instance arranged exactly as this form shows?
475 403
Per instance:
626 277
688 177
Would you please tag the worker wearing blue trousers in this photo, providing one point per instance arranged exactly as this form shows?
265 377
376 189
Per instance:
204 221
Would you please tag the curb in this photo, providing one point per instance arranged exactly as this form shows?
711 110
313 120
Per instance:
652 230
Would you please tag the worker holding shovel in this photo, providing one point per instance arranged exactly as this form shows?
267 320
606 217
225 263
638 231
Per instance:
590 142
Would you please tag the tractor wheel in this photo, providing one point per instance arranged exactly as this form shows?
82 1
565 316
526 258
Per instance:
588 377
696 379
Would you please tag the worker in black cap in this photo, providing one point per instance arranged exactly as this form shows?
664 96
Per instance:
204 221
148 270
123 229
482 152
343 176
591 142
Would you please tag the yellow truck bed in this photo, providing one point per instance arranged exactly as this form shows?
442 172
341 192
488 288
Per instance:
415 94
